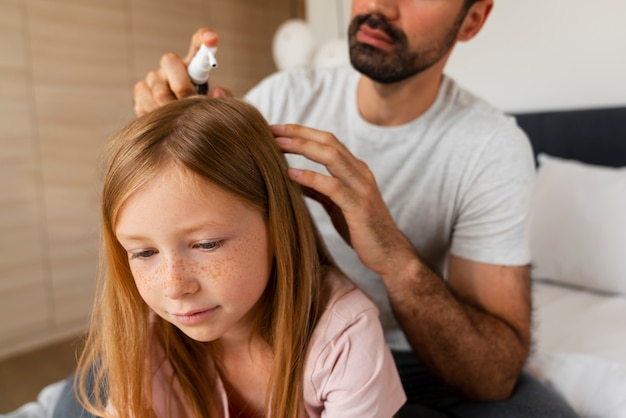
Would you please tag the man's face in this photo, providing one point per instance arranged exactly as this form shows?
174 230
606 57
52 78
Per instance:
392 40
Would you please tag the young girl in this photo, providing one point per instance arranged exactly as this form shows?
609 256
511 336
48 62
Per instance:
218 297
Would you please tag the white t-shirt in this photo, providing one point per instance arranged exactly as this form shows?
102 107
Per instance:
456 180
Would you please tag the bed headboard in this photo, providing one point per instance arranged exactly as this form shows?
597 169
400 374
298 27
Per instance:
594 136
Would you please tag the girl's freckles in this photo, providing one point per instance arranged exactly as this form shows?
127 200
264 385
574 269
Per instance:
144 280
217 269
213 270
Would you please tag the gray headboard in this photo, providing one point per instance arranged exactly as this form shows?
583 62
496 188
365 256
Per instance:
594 136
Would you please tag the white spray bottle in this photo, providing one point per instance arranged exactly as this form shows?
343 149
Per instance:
200 67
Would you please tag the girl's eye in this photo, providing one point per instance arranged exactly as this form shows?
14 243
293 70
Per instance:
142 254
208 246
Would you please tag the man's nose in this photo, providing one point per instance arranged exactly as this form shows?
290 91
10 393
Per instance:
386 8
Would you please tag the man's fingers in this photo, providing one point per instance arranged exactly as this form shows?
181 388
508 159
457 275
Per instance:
334 211
320 198
159 87
201 36
171 81
319 146
144 100
329 152
333 189
175 72
310 134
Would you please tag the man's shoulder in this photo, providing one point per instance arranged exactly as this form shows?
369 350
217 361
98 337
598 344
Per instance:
464 102
463 111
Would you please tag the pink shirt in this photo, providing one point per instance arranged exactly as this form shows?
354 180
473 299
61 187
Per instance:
349 370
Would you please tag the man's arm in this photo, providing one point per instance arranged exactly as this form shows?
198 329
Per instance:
474 330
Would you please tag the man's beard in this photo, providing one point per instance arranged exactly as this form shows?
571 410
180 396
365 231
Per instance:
399 63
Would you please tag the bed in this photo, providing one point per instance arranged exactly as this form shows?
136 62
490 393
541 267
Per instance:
578 246
578 249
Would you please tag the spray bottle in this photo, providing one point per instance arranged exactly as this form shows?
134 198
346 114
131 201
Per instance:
200 67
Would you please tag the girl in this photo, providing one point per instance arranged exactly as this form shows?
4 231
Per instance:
218 298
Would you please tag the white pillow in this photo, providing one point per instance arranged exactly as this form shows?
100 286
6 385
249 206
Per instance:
578 224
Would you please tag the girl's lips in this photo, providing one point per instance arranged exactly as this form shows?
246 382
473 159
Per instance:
374 37
194 317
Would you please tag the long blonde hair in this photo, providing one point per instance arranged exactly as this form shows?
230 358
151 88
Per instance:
229 143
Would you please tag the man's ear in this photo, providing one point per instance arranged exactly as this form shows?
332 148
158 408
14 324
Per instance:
475 19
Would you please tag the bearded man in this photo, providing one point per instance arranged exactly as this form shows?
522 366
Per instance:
424 192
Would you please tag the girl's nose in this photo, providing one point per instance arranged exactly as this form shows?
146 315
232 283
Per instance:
180 280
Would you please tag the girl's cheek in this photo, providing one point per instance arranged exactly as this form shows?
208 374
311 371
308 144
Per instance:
142 282
217 270
145 278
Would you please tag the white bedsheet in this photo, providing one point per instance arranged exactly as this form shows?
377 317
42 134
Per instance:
43 407
580 348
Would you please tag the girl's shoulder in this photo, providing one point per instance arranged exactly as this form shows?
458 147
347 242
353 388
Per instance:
348 315
349 369
345 299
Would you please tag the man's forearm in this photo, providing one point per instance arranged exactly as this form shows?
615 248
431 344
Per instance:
475 351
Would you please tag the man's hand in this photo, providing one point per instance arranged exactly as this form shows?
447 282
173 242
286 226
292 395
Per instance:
170 81
473 331
350 195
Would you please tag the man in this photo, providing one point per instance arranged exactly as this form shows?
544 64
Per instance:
427 189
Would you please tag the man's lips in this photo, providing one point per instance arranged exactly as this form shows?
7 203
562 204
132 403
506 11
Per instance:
374 37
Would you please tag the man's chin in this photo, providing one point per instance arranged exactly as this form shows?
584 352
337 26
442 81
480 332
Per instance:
375 73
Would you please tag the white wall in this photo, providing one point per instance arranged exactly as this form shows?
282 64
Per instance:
329 19
547 54
532 54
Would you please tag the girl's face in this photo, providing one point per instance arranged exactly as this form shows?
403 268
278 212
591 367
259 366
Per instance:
201 258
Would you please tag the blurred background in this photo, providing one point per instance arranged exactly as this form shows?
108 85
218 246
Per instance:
67 69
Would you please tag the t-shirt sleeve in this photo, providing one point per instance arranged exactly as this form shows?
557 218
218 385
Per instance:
354 374
492 222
